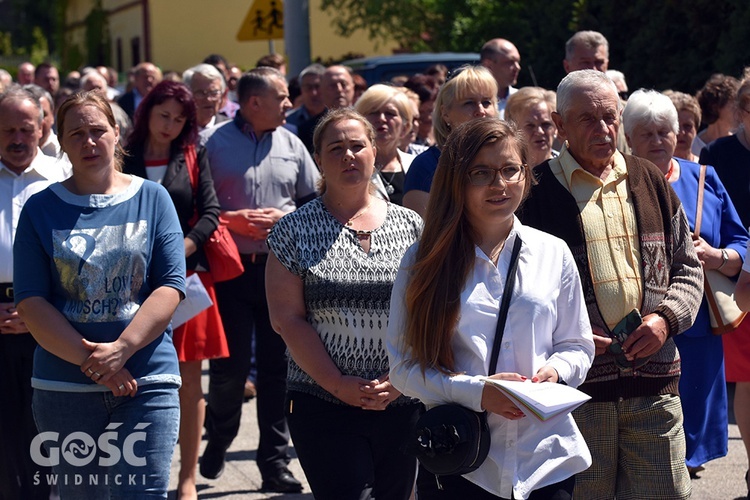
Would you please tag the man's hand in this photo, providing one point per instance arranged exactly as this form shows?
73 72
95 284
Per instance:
601 340
647 339
10 322
253 222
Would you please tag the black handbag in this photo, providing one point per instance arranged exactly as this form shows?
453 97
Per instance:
451 439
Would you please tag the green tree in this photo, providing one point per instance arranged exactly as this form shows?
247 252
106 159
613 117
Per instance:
670 44
98 44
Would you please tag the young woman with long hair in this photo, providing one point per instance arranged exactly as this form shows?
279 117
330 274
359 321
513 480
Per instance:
444 312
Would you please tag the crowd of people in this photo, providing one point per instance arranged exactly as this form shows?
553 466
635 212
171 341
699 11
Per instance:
377 228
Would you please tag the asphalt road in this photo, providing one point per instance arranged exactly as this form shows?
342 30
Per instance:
723 479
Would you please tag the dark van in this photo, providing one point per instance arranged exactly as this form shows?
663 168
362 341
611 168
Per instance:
382 68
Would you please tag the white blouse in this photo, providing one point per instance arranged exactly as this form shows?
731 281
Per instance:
547 325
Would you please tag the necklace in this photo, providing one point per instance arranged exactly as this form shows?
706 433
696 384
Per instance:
351 219
389 182
495 255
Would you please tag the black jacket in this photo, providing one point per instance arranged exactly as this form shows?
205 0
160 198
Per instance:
177 182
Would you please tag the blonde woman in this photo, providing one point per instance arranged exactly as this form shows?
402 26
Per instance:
469 93
390 113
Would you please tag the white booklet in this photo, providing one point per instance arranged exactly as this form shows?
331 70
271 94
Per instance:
196 301
545 400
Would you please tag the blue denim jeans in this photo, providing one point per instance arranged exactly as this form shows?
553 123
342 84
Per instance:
102 446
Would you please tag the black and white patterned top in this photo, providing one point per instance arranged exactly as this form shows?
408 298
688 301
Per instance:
347 292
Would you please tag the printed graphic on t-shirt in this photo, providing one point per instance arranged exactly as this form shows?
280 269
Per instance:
102 269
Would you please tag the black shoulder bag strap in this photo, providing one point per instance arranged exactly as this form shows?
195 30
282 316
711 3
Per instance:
504 305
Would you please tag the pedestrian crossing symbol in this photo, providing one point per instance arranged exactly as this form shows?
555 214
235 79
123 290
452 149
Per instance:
264 21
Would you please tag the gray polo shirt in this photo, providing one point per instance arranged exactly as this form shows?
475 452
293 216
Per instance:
271 171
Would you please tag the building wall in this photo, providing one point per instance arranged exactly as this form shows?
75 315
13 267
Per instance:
183 32
125 23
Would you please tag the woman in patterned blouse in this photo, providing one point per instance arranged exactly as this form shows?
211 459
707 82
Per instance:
328 281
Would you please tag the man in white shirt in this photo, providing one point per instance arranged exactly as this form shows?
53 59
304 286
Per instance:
501 57
24 171
49 144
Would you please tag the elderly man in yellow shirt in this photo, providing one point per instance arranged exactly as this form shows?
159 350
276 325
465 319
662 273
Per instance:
633 247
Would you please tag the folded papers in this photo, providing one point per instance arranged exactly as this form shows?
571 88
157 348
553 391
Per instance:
545 400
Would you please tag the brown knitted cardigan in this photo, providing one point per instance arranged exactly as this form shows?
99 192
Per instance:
671 273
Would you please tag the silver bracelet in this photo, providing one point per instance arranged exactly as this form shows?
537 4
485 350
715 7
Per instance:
724 258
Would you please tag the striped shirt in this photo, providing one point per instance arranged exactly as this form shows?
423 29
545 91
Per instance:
611 233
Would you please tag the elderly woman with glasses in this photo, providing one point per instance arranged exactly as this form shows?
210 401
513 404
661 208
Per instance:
469 93
445 311
651 127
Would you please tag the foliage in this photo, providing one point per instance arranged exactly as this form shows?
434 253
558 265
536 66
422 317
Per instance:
668 44
73 56
6 44
30 30
24 15
39 50
98 45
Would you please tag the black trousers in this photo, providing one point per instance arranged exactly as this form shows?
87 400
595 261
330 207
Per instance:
458 487
243 307
17 427
352 454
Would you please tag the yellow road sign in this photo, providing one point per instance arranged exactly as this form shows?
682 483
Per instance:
264 21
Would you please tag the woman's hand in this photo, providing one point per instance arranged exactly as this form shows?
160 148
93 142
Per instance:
709 256
105 360
379 393
122 383
190 247
494 401
349 389
546 374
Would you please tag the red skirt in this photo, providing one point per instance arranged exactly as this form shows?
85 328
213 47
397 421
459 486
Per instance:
737 352
203 336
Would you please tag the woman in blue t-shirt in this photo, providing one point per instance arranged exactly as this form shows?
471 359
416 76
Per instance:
99 270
